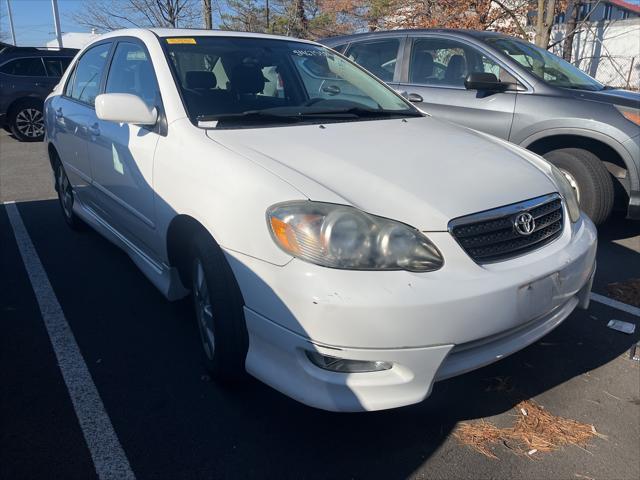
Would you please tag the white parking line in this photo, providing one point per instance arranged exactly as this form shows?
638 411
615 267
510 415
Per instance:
615 304
108 456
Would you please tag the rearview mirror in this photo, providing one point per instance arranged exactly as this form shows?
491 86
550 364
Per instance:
484 82
125 108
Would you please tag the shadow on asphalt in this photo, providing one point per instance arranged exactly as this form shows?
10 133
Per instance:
143 354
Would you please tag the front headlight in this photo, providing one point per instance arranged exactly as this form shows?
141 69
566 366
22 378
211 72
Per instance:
339 236
568 193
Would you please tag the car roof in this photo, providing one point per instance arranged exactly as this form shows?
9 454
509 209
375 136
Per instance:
22 52
192 32
477 34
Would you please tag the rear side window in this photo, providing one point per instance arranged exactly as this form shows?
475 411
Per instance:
379 57
56 65
132 72
84 84
24 67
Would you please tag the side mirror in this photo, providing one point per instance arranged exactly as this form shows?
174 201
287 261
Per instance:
125 108
482 81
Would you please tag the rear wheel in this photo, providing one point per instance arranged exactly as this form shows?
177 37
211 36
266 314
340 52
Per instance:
66 197
589 178
26 121
219 311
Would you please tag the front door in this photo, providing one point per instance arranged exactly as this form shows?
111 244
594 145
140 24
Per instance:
122 154
438 67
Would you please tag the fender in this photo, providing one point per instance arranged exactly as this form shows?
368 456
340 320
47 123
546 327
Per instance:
608 140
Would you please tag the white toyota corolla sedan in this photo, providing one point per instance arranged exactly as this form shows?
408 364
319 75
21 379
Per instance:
339 244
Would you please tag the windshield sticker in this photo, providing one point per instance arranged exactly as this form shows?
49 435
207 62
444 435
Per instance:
310 53
181 41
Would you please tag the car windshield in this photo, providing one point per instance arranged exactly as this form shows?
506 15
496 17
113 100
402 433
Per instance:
234 82
545 65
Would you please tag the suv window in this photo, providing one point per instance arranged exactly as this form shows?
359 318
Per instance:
56 65
438 61
379 56
24 67
84 84
132 72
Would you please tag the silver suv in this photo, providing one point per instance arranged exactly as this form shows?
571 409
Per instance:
512 89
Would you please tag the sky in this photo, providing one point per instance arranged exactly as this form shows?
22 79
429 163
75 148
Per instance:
33 20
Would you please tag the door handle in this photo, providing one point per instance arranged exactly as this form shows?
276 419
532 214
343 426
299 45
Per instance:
94 130
415 98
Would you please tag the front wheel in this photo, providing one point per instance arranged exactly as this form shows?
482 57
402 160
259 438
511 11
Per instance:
219 311
26 121
589 178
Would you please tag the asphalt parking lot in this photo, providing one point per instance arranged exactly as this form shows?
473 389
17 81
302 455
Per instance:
171 422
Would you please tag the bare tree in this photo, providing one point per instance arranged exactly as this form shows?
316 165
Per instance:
544 21
571 16
206 14
105 15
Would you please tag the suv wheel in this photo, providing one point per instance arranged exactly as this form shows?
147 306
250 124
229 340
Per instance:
219 311
27 121
589 178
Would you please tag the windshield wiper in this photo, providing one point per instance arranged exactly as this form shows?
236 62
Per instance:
289 115
359 112
251 115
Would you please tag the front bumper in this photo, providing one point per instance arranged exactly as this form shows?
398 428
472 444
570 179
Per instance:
430 326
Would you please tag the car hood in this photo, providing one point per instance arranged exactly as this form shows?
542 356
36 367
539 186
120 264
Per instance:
613 96
420 171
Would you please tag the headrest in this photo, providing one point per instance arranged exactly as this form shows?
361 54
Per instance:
247 78
200 79
456 67
423 66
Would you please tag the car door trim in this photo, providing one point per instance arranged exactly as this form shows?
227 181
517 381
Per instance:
76 171
124 205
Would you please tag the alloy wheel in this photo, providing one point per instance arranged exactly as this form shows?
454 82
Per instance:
30 122
65 192
204 311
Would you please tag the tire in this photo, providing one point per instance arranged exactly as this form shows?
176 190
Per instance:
590 178
219 313
26 121
66 197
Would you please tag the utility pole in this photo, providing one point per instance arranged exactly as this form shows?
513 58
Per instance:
56 20
13 31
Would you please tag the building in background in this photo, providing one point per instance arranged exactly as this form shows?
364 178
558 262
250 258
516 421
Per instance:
73 40
606 43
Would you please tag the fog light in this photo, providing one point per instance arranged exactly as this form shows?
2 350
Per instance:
343 365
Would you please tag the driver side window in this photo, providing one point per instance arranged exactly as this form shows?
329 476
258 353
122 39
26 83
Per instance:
444 62
132 72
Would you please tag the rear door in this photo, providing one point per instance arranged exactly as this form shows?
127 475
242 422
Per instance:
74 117
379 56
25 77
436 68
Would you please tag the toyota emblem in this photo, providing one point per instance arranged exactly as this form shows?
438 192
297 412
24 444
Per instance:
524 224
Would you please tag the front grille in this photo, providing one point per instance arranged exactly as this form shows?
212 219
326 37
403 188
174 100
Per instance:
492 236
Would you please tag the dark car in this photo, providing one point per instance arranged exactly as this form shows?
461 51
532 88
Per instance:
27 76
512 89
